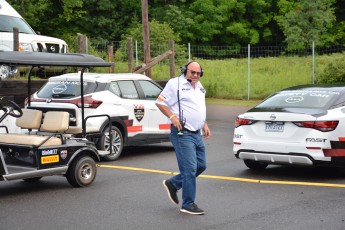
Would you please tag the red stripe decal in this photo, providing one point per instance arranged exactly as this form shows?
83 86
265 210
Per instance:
341 138
313 148
132 129
164 126
334 152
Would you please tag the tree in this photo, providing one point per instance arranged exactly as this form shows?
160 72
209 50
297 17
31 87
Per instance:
218 22
160 35
306 21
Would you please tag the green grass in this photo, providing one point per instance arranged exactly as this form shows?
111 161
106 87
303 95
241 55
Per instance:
228 79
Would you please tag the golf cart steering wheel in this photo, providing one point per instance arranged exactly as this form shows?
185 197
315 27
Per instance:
10 107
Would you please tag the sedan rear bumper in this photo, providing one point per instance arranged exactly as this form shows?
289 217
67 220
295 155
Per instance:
288 159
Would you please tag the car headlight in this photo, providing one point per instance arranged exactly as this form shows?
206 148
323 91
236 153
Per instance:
25 47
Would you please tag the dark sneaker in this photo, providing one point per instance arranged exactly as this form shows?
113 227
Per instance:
172 191
193 209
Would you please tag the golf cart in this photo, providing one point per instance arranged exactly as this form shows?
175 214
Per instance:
44 148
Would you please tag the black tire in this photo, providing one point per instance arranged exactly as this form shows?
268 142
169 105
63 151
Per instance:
255 165
117 147
82 171
32 180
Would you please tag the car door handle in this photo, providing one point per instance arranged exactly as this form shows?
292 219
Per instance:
154 108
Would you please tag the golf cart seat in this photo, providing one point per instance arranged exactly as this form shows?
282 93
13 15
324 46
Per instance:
31 119
53 123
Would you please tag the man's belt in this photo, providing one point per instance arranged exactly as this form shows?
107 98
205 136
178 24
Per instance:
190 131
187 130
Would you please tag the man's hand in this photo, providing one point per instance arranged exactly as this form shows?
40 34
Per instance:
176 122
206 131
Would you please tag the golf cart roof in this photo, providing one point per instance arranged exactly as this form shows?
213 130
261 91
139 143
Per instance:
51 59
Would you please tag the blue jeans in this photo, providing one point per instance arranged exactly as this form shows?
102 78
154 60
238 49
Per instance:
191 159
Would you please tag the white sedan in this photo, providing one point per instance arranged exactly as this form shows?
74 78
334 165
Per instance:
301 125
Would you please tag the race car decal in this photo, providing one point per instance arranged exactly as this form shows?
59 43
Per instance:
239 136
49 152
139 112
337 149
49 159
138 128
133 129
164 126
334 152
63 154
316 140
130 127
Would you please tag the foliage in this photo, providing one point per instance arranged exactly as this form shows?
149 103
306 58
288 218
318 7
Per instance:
306 21
160 35
204 22
334 71
53 18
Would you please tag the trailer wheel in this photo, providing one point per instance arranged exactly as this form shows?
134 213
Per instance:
82 171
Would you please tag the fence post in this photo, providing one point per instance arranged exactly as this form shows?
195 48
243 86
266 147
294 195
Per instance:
111 57
15 39
172 59
81 43
146 35
313 63
16 45
248 71
130 54
189 58
136 53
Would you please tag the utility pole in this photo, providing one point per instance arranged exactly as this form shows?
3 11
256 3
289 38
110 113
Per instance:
146 34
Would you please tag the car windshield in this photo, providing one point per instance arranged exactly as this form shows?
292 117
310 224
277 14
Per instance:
315 99
7 23
65 89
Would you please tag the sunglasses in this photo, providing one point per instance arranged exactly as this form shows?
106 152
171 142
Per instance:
194 72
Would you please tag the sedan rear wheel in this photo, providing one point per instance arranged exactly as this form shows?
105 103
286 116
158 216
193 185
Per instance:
255 165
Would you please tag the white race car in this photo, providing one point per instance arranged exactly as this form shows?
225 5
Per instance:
301 125
128 99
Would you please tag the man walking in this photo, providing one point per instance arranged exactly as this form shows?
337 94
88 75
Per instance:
183 102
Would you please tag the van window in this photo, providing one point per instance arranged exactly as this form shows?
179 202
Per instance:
8 22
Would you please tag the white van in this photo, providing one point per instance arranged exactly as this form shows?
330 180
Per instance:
29 40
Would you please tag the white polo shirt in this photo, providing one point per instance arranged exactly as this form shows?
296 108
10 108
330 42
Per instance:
192 101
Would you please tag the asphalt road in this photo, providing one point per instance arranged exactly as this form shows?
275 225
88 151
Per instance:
128 193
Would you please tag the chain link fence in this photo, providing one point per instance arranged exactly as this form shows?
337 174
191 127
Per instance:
251 72
191 51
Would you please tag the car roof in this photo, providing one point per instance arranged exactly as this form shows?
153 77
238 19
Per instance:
100 77
7 9
316 87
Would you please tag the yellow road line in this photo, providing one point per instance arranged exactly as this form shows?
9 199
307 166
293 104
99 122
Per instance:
228 178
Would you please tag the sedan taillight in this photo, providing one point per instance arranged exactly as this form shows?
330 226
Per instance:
241 121
324 126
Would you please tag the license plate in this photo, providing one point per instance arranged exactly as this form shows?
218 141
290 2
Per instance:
274 127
